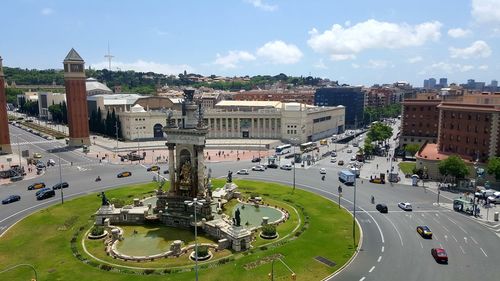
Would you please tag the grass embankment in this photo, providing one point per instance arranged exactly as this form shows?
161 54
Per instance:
43 240
407 167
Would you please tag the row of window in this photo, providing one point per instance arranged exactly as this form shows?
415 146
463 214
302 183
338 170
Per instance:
291 132
469 116
322 119
422 108
468 128
472 152
468 140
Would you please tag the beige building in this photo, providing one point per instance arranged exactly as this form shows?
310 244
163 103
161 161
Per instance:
243 119
45 100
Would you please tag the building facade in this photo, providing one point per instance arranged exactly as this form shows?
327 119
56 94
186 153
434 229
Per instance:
5 146
352 98
305 96
419 121
45 100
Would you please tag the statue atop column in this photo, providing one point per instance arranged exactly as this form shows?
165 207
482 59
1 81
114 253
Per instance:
104 199
237 217
229 178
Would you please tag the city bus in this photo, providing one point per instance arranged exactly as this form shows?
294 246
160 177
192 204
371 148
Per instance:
283 149
308 146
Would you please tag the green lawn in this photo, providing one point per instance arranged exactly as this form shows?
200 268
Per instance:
407 167
43 240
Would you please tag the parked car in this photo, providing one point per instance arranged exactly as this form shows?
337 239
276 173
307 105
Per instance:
46 194
495 198
273 166
382 208
153 168
258 168
349 150
242 172
333 153
255 160
59 185
287 167
405 206
353 158
439 255
37 155
11 198
333 160
424 231
165 172
124 174
36 185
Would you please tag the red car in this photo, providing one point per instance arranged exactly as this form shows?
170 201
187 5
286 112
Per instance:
439 255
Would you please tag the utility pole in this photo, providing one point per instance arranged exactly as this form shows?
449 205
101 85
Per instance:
354 216
60 180
116 128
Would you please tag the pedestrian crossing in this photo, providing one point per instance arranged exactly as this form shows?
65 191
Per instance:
35 142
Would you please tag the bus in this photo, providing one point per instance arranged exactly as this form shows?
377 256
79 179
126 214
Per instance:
283 149
308 146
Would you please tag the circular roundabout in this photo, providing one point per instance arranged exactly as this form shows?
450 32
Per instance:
295 227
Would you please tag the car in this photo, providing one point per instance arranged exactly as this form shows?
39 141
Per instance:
424 231
353 158
405 206
349 150
153 168
38 192
340 163
333 160
124 174
273 166
166 172
322 171
37 155
495 198
287 167
46 194
58 185
242 172
439 255
258 168
11 198
256 159
333 154
51 162
382 208
36 185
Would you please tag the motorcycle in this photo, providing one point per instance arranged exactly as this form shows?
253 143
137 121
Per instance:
323 178
98 179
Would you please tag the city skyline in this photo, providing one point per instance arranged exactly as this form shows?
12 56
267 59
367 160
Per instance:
371 43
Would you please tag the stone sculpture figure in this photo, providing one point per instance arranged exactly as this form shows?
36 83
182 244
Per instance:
104 199
229 178
186 173
237 217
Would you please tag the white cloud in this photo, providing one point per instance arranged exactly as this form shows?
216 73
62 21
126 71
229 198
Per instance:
342 57
320 64
279 52
372 34
483 67
145 66
355 65
486 10
378 64
450 67
478 49
47 11
263 6
415 59
233 58
458 32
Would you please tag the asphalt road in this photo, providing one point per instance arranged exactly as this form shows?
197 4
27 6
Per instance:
391 248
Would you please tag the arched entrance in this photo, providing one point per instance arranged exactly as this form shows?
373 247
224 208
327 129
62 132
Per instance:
158 131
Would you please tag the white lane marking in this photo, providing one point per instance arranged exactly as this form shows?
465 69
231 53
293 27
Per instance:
462 250
371 269
362 278
458 225
397 231
454 238
474 240
440 245
44 150
383 248
379 258
435 236
421 246
446 238
483 252
465 239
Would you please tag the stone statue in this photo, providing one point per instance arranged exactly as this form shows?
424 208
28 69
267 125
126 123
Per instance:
188 95
105 201
170 122
237 216
185 175
229 178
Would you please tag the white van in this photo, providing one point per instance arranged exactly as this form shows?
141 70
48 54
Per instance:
495 198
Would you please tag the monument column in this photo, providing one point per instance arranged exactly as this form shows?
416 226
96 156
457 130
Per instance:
76 98
201 171
5 146
171 167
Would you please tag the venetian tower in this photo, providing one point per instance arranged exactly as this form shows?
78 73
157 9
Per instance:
76 98
4 122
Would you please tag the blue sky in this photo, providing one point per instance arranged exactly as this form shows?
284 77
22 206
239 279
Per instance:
355 42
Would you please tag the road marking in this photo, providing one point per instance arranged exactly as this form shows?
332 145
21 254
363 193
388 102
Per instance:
440 245
421 246
397 231
458 225
371 269
383 249
454 238
362 278
379 258
465 239
446 238
462 250
435 236
472 238
483 252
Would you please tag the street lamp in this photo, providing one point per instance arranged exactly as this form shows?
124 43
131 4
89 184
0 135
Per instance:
60 180
195 203
354 216
19 265
294 142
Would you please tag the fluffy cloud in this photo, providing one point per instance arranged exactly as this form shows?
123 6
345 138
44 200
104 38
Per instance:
478 49
279 52
263 6
450 67
47 11
483 67
379 64
345 42
233 58
486 10
145 66
415 59
342 57
458 32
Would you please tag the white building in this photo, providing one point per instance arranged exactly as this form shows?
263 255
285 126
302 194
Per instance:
94 87
45 100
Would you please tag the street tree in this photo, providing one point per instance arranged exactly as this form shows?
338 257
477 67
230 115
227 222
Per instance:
379 132
453 166
411 149
493 167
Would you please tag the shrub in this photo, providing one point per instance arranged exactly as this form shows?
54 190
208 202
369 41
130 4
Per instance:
118 202
253 195
148 271
106 267
202 251
97 230
269 230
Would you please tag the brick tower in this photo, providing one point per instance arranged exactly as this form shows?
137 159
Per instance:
4 125
76 97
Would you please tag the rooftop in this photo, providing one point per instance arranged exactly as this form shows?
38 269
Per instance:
243 103
73 56
91 84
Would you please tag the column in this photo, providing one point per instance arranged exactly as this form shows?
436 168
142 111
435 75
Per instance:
251 128
258 128
201 170
171 166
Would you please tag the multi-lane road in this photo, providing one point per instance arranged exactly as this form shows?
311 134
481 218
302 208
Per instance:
391 248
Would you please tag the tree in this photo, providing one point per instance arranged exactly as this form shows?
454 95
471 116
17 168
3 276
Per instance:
453 166
368 147
412 148
379 132
493 167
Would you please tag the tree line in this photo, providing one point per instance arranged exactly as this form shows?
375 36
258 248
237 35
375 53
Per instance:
107 126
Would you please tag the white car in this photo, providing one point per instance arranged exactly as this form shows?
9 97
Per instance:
287 167
349 150
405 206
242 172
333 154
333 160
322 171
495 198
353 158
258 168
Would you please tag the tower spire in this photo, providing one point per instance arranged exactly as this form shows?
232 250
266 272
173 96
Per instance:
109 57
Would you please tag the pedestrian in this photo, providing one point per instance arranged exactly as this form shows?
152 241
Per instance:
377 166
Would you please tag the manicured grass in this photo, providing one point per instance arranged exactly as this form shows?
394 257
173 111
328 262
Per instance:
407 167
43 240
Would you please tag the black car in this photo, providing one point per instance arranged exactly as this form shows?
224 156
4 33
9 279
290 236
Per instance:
46 194
58 185
382 208
273 166
254 160
11 198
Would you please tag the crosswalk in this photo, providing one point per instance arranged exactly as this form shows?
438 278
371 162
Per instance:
35 142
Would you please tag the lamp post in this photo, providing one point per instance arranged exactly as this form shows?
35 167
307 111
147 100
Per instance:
60 180
19 265
354 216
195 203
19 150
476 169
294 142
